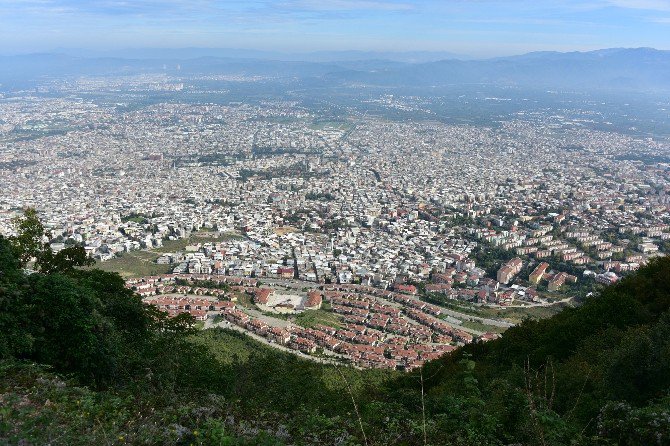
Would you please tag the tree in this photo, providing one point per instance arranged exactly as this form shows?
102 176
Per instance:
63 261
14 338
29 244
83 322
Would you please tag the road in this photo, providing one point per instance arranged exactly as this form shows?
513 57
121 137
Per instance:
273 321
543 304
290 283
453 317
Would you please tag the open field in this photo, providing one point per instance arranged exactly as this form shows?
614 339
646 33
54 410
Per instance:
142 263
327 125
511 314
134 264
244 300
516 315
228 345
311 318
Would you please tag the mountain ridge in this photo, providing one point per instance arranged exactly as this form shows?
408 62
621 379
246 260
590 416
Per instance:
629 69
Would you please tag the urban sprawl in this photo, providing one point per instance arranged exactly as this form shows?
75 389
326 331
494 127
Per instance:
375 225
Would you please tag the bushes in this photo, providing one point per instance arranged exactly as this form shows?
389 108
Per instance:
39 407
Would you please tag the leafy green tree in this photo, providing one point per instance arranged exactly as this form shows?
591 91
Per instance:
69 330
14 338
83 322
64 261
28 243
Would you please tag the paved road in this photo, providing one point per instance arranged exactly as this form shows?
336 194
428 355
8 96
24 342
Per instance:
454 317
543 304
290 283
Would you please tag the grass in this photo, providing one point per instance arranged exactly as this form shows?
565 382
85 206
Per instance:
322 125
228 345
244 300
135 264
516 315
312 318
142 263
513 315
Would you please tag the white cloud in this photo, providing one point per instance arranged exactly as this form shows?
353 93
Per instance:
651 5
348 5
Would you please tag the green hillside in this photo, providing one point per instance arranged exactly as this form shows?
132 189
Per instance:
83 361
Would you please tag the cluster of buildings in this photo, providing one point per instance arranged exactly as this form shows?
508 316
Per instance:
372 334
377 328
199 308
366 201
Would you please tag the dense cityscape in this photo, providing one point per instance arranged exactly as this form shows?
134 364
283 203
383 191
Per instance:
380 223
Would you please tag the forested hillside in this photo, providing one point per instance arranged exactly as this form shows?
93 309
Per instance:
83 361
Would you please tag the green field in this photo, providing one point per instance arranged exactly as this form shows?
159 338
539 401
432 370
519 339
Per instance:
516 315
135 264
228 345
312 318
244 300
513 314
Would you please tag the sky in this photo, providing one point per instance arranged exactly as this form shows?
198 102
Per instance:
478 28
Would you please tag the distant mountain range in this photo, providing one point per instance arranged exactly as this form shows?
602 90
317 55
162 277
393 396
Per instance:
629 69
236 53
639 69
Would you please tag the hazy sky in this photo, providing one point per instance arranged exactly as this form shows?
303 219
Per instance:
475 27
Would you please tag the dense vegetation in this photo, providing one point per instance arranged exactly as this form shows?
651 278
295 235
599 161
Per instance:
83 361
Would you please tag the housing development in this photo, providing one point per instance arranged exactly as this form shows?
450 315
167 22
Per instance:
251 214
